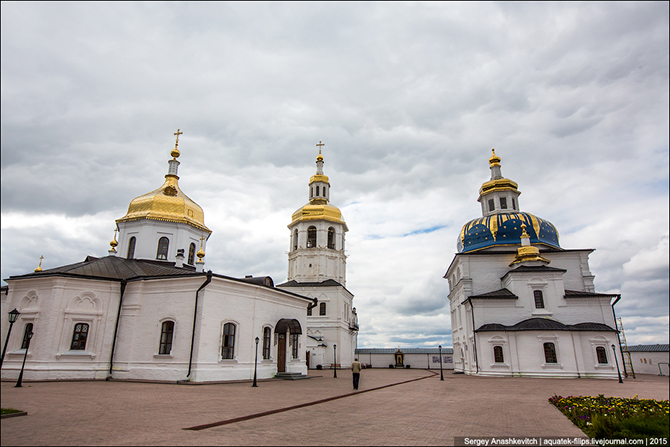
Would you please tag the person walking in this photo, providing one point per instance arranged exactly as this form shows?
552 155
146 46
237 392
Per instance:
356 370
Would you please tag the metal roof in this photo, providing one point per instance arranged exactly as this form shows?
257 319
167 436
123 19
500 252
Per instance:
544 324
649 348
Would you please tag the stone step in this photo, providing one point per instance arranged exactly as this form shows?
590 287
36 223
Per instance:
290 376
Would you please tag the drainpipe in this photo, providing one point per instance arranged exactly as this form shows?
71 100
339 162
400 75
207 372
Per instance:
625 373
474 334
195 317
315 301
116 328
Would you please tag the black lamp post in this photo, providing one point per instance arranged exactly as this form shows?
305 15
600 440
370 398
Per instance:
334 361
441 373
13 316
617 363
255 363
29 335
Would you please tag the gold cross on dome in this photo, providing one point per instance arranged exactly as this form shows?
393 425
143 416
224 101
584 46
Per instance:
177 133
319 145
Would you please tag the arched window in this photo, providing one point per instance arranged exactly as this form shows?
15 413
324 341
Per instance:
167 330
28 330
79 337
498 354
131 248
163 244
267 340
295 240
331 237
228 350
539 299
191 254
322 308
550 353
311 237
602 354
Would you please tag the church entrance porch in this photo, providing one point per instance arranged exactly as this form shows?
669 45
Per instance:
292 326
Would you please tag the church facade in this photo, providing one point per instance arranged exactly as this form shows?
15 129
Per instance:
150 311
317 269
520 304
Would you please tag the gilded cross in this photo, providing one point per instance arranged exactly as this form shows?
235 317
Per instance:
40 266
177 133
319 145
202 238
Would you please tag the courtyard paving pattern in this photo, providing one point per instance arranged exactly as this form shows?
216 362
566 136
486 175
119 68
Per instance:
417 412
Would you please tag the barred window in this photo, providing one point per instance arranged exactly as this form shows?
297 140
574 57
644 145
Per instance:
294 345
322 308
539 299
228 350
492 205
267 340
167 330
602 354
79 337
550 353
498 354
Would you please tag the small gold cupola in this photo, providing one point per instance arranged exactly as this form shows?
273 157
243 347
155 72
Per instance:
39 267
527 252
113 244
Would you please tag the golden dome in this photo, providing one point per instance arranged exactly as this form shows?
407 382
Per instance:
318 209
494 160
167 203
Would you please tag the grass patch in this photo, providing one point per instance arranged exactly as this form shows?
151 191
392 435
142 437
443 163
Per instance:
616 417
9 411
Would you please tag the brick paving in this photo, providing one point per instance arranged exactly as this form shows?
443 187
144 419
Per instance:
420 412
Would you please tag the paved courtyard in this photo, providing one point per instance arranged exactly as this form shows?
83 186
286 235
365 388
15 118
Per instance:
419 410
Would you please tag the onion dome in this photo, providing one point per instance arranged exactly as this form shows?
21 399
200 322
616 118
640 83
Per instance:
167 203
39 267
318 207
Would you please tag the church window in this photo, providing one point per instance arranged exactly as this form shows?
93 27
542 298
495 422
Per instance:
79 337
498 354
309 311
166 338
317 191
602 354
191 254
228 350
331 237
550 353
267 336
513 204
28 330
163 244
503 203
492 205
295 240
311 192
131 248
311 237
294 345
539 299
322 308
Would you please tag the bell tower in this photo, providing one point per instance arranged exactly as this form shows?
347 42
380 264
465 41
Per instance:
317 231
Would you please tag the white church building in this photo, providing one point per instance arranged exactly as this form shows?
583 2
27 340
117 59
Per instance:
520 304
150 311
317 268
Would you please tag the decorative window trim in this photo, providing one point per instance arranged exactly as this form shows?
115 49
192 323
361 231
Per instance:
162 255
549 338
269 358
236 336
161 322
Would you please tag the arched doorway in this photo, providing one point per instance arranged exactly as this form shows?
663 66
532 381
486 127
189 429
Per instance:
292 326
399 359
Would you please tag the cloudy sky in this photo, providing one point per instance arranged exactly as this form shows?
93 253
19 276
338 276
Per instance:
409 99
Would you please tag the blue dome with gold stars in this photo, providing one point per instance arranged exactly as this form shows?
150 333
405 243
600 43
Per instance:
505 229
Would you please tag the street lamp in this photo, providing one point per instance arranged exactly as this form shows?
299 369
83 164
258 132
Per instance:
13 316
334 361
255 363
29 335
441 373
617 364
